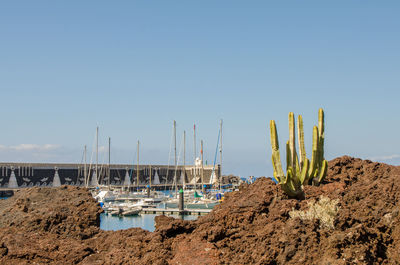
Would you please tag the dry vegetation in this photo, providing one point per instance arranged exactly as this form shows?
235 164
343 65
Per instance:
324 210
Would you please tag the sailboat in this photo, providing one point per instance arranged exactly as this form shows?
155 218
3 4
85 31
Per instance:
214 181
12 183
192 199
56 179
213 178
127 180
94 182
156 180
93 179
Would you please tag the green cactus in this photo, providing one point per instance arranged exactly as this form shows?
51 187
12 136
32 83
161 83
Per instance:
319 165
292 183
299 170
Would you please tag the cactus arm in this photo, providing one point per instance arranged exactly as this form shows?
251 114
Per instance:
321 163
288 156
304 171
276 157
277 165
295 178
321 125
292 141
314 155
290 187
292 144
289 180
274 166
297 165
302 148
274 136
291 153
323 171
321 137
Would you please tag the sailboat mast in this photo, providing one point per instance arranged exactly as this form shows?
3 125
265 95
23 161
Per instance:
194 156
184 158
85 172
150 174
175 141
109 161
220 158
202 167
97 150
137 170
175 178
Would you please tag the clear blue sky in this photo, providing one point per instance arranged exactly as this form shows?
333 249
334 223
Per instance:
132 67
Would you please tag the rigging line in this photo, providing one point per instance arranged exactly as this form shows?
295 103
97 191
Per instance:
215 157
83 156
103 169
91 159
119 176
133 165
99 166
169 159
102 165
177 161
79 171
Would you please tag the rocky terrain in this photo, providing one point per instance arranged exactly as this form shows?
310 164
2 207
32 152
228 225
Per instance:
353 218
230 179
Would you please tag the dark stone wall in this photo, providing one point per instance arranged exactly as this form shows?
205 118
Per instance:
28 176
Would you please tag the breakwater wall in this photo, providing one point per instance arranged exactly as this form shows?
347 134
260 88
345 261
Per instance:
19 175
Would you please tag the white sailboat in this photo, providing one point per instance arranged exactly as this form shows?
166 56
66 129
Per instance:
12 183
127 180
213 178
56 179
156 180
94 182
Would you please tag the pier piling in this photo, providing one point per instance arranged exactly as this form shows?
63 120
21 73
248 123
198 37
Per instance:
181 202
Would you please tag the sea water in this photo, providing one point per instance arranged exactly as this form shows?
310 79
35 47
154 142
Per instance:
145 221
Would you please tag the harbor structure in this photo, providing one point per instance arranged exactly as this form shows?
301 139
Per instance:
20 175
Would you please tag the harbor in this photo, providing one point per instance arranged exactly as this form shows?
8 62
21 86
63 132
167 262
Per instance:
131 190
123 203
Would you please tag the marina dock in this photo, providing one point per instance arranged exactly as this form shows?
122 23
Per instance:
174 211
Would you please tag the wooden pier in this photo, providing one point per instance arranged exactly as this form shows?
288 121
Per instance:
172 211
10 189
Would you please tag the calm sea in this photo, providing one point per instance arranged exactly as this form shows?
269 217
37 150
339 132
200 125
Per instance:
145 221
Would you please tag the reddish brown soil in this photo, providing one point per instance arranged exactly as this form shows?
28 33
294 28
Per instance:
252 226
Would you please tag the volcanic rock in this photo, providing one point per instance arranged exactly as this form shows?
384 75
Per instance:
252 225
